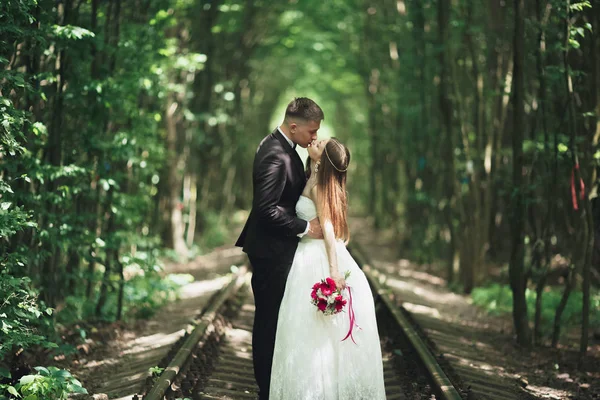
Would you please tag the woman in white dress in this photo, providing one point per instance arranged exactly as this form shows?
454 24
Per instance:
310 360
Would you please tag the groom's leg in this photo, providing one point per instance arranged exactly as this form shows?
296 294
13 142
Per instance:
268 284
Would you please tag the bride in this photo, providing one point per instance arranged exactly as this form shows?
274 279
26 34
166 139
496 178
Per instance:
310 360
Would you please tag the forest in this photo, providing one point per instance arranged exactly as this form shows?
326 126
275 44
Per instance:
128 128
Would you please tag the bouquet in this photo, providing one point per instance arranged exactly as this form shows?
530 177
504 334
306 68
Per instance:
329 300
327 297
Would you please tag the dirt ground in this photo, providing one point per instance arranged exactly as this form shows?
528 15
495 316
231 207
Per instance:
116 357
545 373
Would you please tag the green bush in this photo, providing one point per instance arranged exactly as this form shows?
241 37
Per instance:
20 315
48 383
214 231
497 300
146 290
145 295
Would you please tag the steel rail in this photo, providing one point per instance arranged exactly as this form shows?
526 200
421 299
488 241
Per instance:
441 384
201 330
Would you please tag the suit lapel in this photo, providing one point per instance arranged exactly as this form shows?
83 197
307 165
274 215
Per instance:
293 153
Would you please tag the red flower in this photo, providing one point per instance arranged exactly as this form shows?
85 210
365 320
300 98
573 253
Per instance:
316 286
339 303
326 289
331 283
314 294
322 305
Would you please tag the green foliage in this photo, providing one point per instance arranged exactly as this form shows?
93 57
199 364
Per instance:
81 153
48 383
126 129
69 32
215 231
20 315
13 121
580 5
145 295
148 288
496 299
155 371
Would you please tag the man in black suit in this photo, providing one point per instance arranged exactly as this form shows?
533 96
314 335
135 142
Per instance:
272 232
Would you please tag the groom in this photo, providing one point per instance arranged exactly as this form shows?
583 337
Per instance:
272 231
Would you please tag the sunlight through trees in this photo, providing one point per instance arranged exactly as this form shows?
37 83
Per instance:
128 127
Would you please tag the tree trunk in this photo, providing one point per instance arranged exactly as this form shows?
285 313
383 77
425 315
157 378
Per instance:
191 229
93 206
546 231
537 325
569 284
174 227
516 267
73 257
586 275
121 285
447 144
110 230
95 227
53 156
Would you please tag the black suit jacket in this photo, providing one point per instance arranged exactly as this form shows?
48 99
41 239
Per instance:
278 180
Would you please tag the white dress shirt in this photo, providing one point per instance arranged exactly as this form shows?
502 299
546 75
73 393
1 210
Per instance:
293 145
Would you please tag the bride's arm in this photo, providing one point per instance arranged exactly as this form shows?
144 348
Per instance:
330 244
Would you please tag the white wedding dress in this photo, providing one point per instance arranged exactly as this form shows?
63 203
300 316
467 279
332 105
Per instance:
310 361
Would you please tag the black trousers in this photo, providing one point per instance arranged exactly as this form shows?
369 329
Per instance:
269 276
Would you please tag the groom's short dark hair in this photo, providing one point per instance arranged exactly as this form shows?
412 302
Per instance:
305 109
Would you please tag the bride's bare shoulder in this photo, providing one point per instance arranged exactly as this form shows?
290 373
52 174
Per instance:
310 192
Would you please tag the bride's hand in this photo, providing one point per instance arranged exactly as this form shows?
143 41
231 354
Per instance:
314 229
339 280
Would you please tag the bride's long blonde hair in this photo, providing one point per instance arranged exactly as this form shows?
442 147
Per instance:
331 184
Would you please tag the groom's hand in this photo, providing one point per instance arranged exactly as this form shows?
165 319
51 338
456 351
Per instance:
314 229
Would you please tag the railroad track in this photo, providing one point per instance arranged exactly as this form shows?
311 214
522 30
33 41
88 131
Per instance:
214 361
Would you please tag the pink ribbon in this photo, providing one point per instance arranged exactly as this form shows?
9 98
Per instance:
352 318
